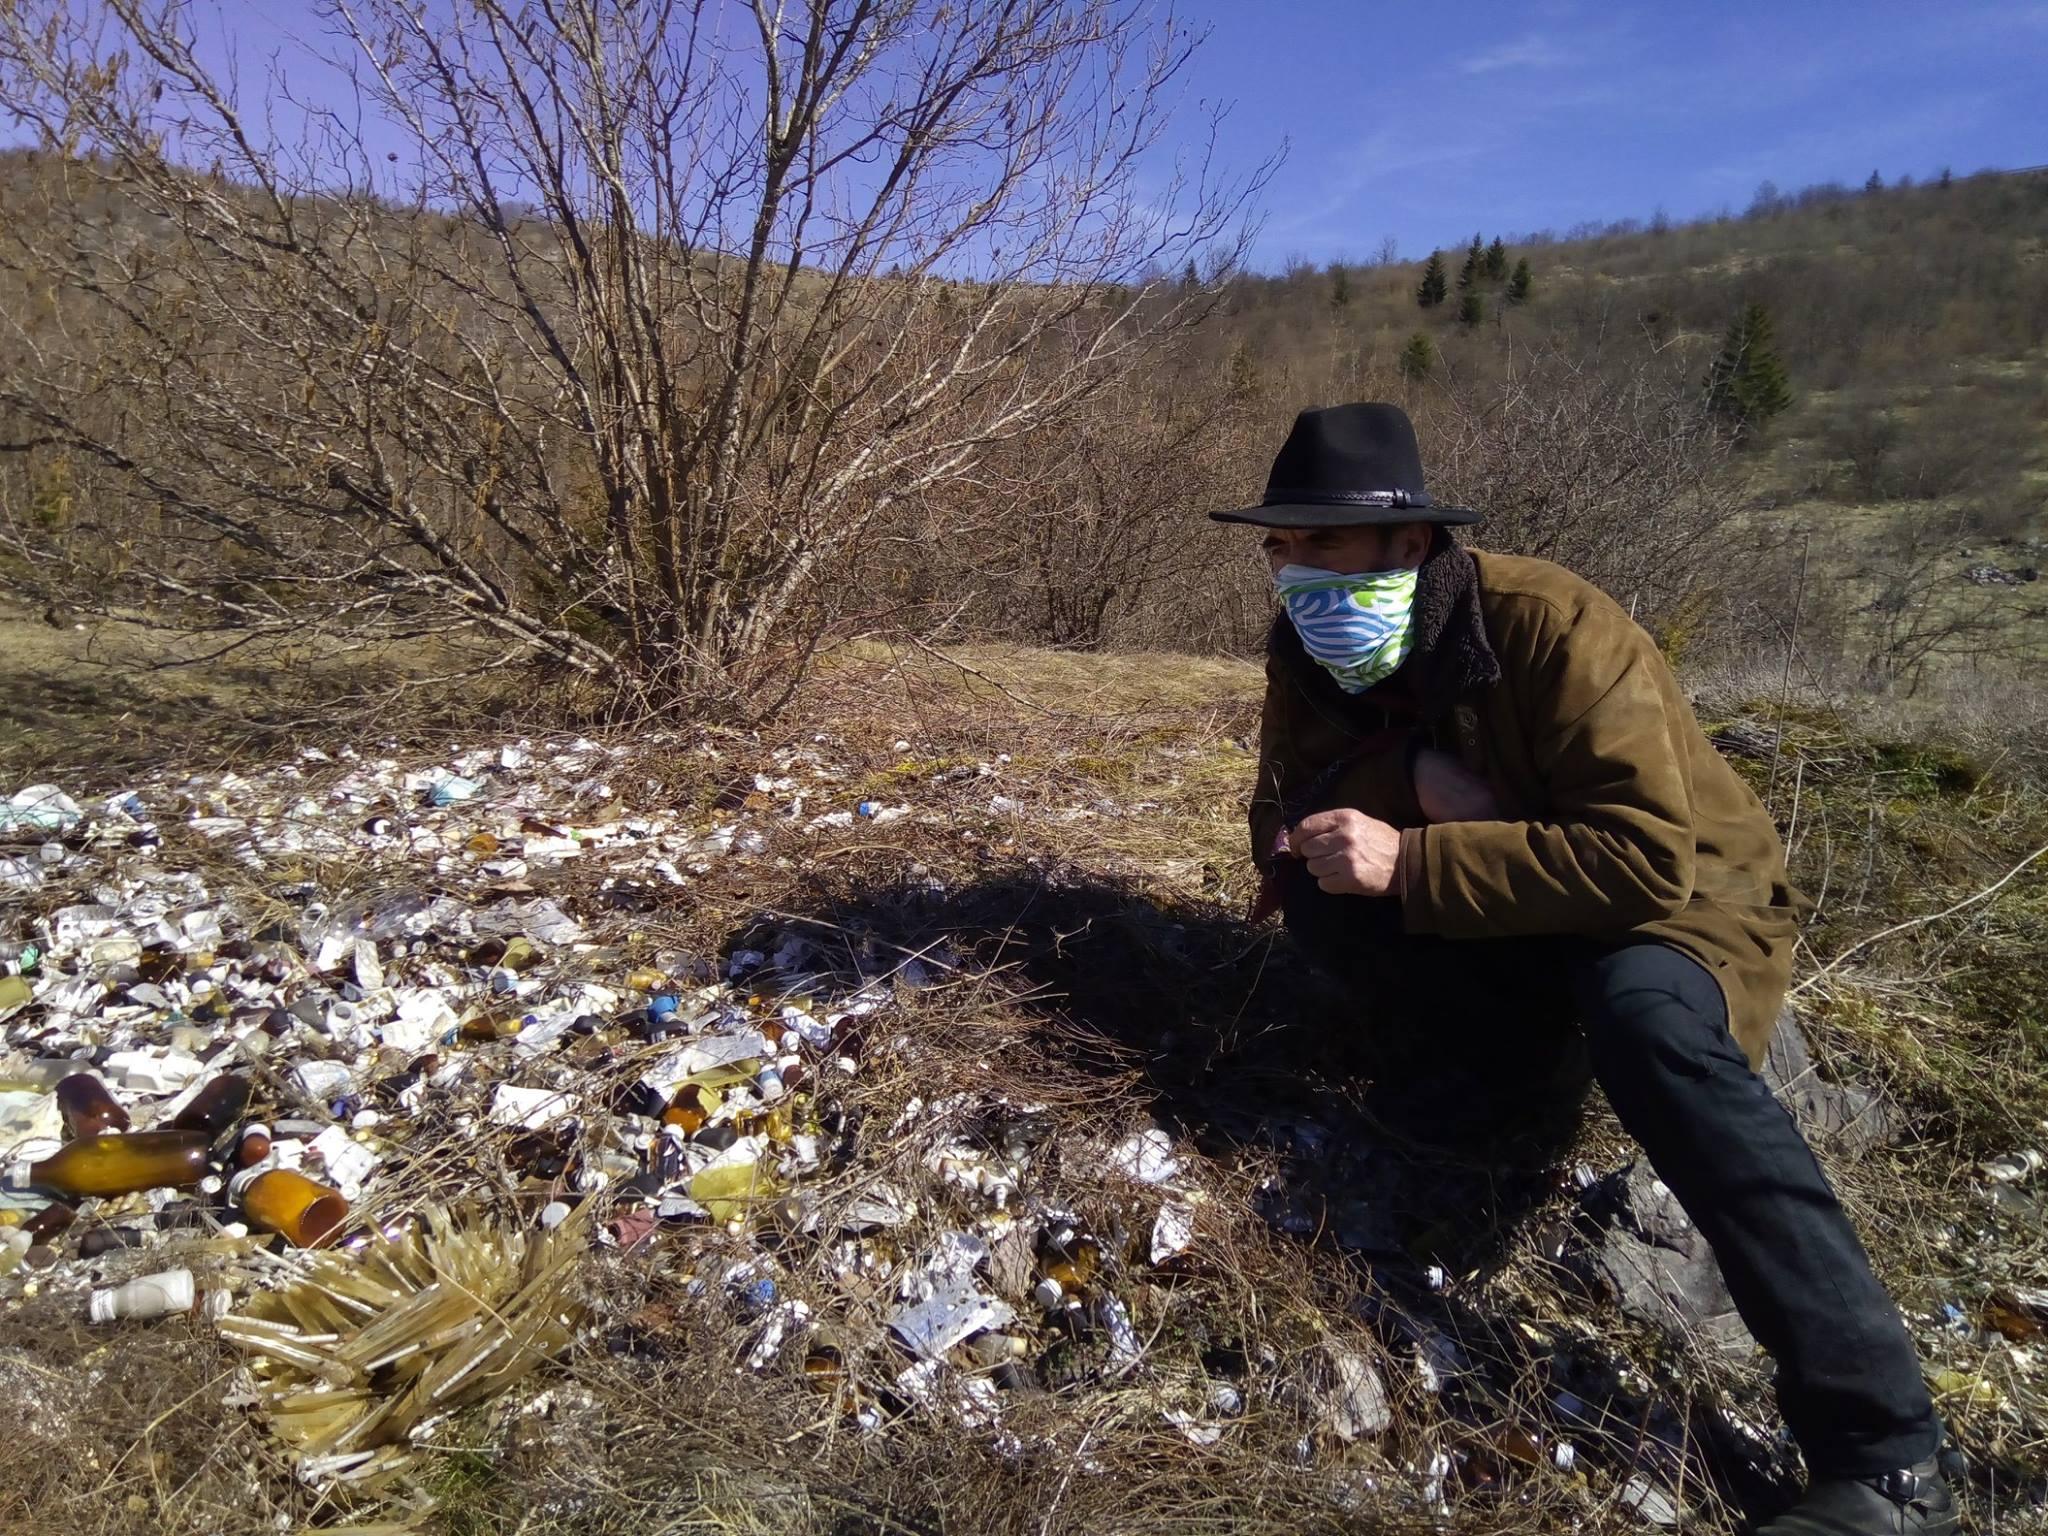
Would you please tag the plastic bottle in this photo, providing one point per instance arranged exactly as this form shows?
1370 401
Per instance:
87 1107
215 1107
160 1295
119 1165
309 1215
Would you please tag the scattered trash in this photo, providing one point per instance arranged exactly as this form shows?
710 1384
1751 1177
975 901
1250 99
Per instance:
1146 1157
41 810
1653 1504
2012 1167
150 1296
297 1080
1357 1403
369 1342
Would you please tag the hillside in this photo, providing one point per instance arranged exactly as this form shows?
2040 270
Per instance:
1912 466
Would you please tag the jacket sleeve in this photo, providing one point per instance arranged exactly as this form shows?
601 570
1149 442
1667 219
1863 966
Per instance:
1614 847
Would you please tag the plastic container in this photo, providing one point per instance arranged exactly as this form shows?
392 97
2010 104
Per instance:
119 1165
159 1295
309 1215
87 1107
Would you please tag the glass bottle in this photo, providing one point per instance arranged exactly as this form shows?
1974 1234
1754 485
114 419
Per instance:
309 1215
87 1107
215 1107
108 1165
253 1145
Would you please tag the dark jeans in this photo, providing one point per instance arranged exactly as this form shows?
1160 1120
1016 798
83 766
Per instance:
1656 1033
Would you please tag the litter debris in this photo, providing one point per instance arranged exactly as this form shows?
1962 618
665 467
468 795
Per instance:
1173 1232
354 1355
2012 1167
1146 1156
1357 1404
150 1296
1652 1503
40 811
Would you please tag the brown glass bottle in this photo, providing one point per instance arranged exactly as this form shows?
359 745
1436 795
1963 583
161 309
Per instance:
120 1165
88 1108
253 1145
308 1214
215 1107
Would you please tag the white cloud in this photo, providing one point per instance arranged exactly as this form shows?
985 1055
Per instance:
1532 52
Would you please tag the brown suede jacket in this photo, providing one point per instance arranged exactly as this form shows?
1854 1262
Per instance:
1620 818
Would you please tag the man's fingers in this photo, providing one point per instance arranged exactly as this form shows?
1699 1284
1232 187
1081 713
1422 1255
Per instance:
1321 823
1321 847
1328 864
1338 884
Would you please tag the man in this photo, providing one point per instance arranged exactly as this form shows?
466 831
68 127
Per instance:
1482 797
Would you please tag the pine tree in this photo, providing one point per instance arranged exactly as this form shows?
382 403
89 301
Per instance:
1518 285
1340 287
1471 308
1435 284
1475 259
1496 260
1417 358
1746 384
1875 184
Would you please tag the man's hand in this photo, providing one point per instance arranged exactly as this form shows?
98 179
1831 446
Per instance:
1348 852
1449 791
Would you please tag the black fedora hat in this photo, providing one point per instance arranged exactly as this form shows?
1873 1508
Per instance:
1347 466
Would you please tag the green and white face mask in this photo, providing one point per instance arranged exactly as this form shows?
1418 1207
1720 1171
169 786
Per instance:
1359 627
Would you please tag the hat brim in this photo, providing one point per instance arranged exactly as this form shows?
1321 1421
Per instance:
1338 515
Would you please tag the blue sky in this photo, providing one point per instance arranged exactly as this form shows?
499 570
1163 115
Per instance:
1427 122
1430 121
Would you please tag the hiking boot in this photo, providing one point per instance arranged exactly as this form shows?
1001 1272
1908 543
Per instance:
1911 1502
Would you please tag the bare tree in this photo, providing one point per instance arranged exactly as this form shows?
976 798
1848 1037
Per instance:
774 273
1099 537
1604 463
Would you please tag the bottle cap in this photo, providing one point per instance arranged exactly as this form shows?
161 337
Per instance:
244 1179
16 1176
99 1307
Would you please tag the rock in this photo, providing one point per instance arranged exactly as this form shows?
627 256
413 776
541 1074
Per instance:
1839 1118
1657 1262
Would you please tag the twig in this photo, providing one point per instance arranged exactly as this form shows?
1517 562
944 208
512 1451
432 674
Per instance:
1916 922
1785 682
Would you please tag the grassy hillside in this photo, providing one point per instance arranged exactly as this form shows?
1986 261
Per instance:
1911 471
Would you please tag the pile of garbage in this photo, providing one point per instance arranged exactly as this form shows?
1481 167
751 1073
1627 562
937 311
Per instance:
252 1096
358 1060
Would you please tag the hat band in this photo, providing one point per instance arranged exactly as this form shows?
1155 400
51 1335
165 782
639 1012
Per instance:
1282 498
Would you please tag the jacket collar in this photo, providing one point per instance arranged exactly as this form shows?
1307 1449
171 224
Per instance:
1451 655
